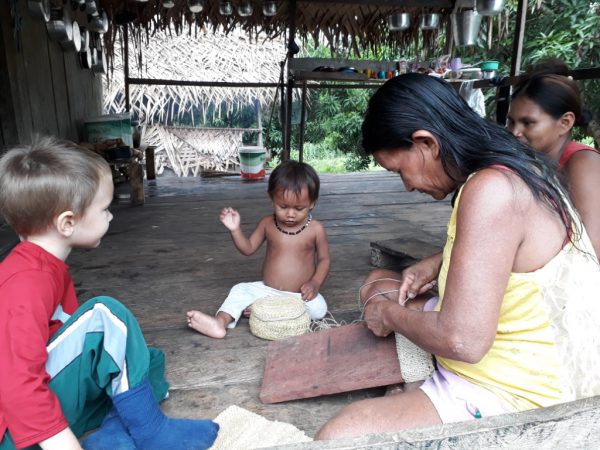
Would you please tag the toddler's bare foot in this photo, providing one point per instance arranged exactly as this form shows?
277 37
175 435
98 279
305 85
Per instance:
205 324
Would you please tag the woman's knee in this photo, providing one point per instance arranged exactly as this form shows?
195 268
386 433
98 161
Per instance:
348 421
379 274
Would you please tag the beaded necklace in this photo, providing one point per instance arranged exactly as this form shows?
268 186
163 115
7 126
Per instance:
293 233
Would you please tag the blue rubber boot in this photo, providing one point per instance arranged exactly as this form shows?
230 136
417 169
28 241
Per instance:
152 430
112 435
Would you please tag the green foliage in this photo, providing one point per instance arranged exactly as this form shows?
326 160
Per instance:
335 120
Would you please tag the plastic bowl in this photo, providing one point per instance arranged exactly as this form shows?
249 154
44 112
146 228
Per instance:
490 65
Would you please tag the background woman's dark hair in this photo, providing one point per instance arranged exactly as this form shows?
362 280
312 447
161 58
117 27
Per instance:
293 176
549 88
468 142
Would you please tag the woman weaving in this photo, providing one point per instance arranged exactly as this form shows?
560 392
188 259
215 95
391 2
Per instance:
516 321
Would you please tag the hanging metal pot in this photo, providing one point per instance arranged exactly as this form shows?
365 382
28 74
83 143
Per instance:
225 8
75 42
245 9
398 22
429 21
269 8
99 61
99 24
196 6
85 53
85 39
40 9
489 7
59 26
91 8
465 27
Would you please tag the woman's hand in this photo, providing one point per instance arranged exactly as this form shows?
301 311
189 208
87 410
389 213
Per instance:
419 278
374 316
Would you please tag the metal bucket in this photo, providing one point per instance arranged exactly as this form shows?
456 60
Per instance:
398 22
465 27
429 21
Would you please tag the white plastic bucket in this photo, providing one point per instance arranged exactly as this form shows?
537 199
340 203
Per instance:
252 162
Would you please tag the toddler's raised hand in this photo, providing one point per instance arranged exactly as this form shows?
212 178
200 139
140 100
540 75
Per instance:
230 218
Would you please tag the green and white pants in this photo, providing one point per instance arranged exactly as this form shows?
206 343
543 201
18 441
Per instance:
99 352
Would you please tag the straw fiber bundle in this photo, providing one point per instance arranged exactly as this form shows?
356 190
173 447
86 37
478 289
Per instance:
276 318
241 429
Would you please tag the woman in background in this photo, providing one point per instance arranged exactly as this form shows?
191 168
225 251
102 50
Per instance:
544 109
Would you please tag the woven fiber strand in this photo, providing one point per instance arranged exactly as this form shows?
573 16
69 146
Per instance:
276 318
415 363
241 429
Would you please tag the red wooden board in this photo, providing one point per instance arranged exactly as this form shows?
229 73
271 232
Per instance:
337 360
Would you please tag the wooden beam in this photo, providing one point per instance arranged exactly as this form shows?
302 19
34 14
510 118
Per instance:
167 82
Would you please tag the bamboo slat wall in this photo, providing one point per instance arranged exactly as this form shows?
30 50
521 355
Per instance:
187 151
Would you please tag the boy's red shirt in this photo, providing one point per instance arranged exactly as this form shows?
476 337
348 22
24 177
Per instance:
33 285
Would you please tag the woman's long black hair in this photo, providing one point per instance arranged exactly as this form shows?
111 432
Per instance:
468 142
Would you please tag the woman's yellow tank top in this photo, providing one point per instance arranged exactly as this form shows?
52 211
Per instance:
547 344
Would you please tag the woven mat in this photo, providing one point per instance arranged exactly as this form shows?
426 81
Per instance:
244 430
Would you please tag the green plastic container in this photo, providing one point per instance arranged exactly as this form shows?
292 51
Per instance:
490 65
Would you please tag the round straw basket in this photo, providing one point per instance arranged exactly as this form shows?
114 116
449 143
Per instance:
276 318
415 363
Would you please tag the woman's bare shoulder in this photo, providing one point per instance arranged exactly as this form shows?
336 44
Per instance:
501 185
582 163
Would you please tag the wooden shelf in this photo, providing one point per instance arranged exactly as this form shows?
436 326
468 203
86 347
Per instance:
330 76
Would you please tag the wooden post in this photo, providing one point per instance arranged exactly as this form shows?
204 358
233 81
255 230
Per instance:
258 122
503 94
290 83
515 64
302 123
126 67
136 182
150 163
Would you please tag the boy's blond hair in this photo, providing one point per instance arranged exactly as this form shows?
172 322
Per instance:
42 180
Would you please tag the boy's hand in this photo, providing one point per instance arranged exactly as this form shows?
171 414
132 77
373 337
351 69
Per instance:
309 290
230 218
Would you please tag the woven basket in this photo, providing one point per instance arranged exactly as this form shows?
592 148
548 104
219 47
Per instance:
276 318
415 363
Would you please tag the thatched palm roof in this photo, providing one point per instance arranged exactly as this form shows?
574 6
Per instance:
206 57
352 24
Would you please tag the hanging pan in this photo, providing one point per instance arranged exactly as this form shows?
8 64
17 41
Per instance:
99 23
75 42
85 53
98 60
40 9
60 26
